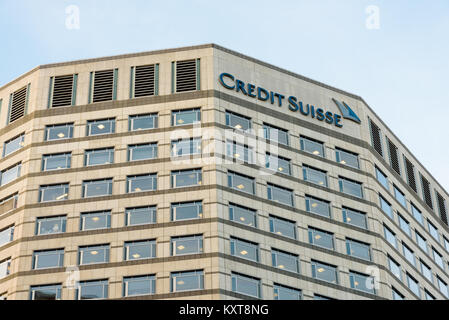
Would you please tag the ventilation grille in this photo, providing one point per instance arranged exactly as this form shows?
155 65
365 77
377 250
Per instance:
410 168
394 158
442 208
144 83
18 104
375 134
103 86
426 192
62 91
186 75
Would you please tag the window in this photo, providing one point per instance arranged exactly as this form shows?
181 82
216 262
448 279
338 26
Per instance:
312 146
443 287
321 238
139 250
139 286
57 192
285 261
242 215
386 207
99 157
426 271
244 249
438 258
241 182
405 225
186 178
347 158
186 245
382 178
362 282
13 145
275 134
319 297
429 296
5 268
184 117
49 292
93 254
318 206
286 293
246 285
95 220
417 215
315 176
48 259
237 121
355 218
10 174
358 249
413 285
395 268
325 272
9 203
143 122
240 152
433 231
351 187
399 195
397 295
282 227
141 183
187 281
446 244
278 164
186 147
279 194
99 127
140 216
51 225
56 161
97 188
186 211
142 151
422 243
6 235
92 290
408 254
59 132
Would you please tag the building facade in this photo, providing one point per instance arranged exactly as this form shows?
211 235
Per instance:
201 173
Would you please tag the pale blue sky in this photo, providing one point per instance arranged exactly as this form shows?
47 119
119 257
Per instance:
401 70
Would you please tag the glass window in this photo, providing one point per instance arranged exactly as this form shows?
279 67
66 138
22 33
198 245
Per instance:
51 225
6 235
246 285
319 297
386 206
324 272
59 132
433 231
242 215
143 122
139 286
186 178
358 249
237 121
395 268
286 293
50 292
93 254
141 183
95 220
138 250
347 158
318 206
97 188
321 238
57 192
279 194
397 295
187 281
56 161
278 164
140 216
186 147
99 157
438 258
443 287
87 290
241 182
422 243
99 127
285 261
417 215
362 282
429 296
186 245
312 146
315 176
399 195
282 227
382 178
10 174
13 145
405 225
426 271
48 259
355 218
275 134
186 116
413 285
408 254
186 211
244 249
446 244
240 152
5 268
350 187
9 203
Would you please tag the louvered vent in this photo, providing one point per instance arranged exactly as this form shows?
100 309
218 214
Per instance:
410 168
442 208
186 75
18 105
103 86
394 158
145 81
426 192
62 91
375 134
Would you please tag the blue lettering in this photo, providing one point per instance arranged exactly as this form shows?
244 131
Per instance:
301 109
329 118
320 114
259 94
293 106
337 119
227 75
241 87
251 89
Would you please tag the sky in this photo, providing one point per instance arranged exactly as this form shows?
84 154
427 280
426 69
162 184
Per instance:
395 54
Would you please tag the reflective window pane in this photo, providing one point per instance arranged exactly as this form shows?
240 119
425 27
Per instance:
237 121
324 272
6 235
433 231
358 249
244 249
187 211
186 178
241 182
97 188
141 183
142 151
318 206
405 225
282 227
140 216
321 238
242 215
187 116
426 271
278 164
362 282
53 193
422 243
395 268
417 215
51 292
239 152
51 225
312 146
139 286
13 145
143 122
279 194
10 174
286 293
187 281
95 220
355 218
315 176
138 250
386 207
390 237
99 157
408 254
382 178
93 255
56 161
350 187
99 127
59 132
275 134
87 290
186 245
5 268
48 259
285 261
245 285
347 158
413 285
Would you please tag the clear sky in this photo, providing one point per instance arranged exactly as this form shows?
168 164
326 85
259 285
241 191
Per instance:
399 63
